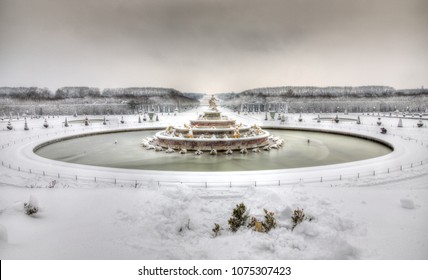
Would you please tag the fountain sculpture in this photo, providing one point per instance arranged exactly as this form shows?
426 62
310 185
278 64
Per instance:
212 132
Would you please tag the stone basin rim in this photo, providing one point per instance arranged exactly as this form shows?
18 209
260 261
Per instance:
311 129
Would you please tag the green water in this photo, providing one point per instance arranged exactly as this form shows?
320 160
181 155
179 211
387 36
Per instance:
323 149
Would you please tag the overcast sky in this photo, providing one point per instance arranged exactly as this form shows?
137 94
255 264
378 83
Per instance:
214 45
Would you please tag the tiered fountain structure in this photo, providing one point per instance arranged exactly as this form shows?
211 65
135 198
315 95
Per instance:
212 132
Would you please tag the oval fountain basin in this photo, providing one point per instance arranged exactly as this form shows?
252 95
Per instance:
124 150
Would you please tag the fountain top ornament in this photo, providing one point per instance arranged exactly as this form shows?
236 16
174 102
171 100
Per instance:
210 132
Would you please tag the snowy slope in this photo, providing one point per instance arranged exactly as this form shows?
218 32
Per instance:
381 216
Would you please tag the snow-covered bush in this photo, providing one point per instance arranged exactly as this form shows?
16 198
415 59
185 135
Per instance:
31 207
255 224
239 217
269 222
263 226
52 184
297 217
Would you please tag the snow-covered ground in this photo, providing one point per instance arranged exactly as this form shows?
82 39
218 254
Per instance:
371 209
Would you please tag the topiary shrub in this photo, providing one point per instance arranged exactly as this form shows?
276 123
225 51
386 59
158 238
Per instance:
239 217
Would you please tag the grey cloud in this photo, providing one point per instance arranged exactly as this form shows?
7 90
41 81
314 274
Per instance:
166 42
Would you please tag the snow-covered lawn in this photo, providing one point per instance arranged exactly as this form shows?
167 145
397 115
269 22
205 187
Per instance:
380 215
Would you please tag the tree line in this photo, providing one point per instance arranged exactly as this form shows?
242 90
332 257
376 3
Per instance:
37 93
323 92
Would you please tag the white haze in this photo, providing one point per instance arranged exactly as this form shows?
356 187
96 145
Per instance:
213 46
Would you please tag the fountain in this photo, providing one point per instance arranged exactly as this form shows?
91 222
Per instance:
213 132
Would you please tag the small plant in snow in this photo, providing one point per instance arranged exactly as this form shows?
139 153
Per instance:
269 222
256 224
31 207
266 225
216 229
297 217
239 217
52 184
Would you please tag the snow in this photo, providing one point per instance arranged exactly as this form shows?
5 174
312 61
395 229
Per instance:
31 206
380 216
3 234
407 203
